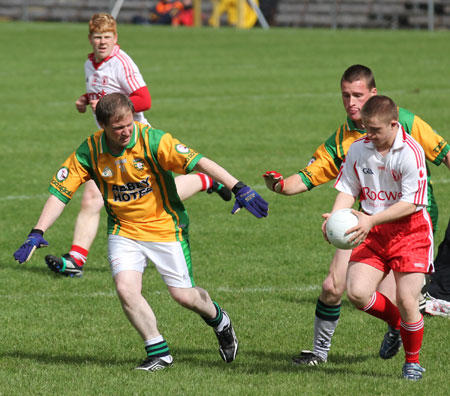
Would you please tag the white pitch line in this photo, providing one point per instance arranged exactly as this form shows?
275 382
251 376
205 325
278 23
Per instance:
268 289
22 197
221 289
267 96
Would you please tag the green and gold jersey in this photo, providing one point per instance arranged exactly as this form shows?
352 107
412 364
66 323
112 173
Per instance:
138 185
326 161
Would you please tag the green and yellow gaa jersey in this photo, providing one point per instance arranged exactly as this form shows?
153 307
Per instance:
326 161
138 185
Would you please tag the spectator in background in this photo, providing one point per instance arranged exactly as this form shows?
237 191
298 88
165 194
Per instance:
168 12
230 7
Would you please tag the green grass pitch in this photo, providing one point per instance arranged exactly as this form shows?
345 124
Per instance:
253 101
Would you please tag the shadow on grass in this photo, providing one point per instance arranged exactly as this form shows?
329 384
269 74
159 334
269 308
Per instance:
253 362
265 362
43 270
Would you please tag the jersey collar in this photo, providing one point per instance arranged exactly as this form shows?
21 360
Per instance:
104 147
352 126
97 65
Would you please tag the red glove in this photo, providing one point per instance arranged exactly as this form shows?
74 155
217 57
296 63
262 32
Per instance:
274 181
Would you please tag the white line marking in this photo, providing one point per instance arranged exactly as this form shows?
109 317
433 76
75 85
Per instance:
222 289
22 197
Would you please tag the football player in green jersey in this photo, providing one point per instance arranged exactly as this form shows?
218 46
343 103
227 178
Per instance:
357 86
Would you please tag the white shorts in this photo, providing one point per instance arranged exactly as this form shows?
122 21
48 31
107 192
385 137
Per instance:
171 259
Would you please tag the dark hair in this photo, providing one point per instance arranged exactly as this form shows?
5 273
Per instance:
380 106
359 72
115 105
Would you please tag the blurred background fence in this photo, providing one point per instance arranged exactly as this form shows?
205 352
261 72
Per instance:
393 14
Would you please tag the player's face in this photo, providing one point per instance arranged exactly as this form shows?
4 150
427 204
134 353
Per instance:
102 44
354 95
381 132
119 133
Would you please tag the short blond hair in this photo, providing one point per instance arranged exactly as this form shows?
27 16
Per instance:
102 23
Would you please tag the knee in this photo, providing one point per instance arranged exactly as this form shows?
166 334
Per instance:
358 297
183 297
332 291
126 294
407 304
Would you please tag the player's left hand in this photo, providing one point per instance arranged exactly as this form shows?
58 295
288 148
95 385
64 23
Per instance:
93 104
35 240
325 217
250 200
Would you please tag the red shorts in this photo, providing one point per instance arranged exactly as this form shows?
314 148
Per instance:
404 245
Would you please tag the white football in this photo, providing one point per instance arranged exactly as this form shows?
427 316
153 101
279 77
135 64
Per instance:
337 225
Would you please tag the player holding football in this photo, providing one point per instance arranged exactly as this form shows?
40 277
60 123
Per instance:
132 164
357 86
387 170
109 69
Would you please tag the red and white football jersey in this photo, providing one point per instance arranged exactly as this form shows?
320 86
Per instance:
381 181
117 73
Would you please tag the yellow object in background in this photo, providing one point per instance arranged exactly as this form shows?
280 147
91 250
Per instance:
231 8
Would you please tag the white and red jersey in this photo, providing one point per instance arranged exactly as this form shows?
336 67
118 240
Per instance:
381 181
117 73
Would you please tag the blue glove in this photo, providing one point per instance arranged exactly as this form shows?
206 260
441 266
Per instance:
250 200
35 240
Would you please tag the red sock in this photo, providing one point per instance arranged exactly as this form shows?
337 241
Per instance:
382 308
79 254
207 181
412 336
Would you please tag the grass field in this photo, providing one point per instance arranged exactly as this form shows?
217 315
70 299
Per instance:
253 101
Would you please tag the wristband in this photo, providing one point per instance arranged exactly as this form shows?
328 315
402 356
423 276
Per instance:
37 231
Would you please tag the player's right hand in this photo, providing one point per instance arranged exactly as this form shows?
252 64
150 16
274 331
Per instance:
82 103
274 181
35 240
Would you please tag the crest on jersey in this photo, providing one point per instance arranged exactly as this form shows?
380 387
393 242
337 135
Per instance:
395 175
107 172
138 163
105 80
182 149
311 161
62 174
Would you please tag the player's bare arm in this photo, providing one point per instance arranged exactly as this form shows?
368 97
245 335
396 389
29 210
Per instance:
289 186
446 160
394 212
50 213
215 171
